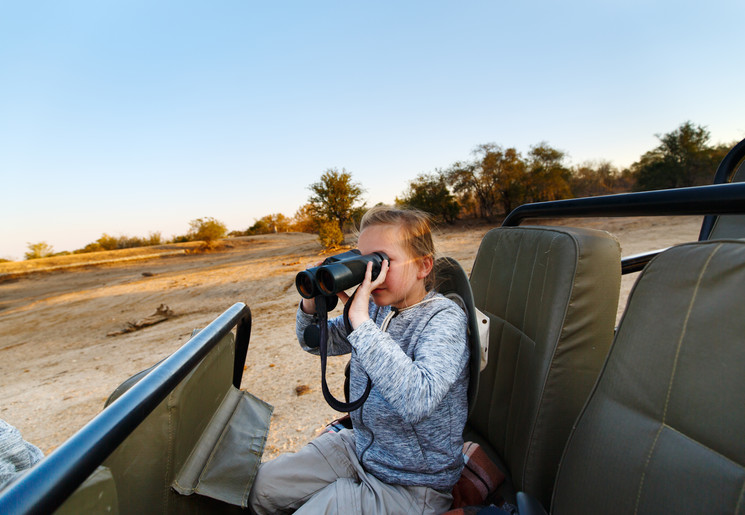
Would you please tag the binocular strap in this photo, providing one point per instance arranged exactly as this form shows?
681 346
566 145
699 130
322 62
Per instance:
332 401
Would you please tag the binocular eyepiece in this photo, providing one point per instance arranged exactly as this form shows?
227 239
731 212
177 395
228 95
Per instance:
338 273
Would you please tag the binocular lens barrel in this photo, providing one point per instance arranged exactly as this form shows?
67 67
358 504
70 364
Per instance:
305 283
340 276
338 273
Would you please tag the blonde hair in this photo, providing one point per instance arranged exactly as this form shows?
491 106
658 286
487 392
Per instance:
415 226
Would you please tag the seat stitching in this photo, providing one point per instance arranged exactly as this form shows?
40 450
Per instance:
534 423
672 374
506 323
517 358
739 500
526 306
170 450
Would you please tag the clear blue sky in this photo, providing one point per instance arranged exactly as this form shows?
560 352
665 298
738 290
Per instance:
136 116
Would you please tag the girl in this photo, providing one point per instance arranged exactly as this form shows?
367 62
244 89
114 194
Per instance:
405 452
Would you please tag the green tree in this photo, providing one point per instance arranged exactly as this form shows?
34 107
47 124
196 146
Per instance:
38 250
473 184
430 193
154 238
495 181
683 158
548 177
509 171
207 230
276 222
304 220
335 197
597 178
107 242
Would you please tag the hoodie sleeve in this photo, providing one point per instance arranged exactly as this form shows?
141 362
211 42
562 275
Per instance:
337 342
415 387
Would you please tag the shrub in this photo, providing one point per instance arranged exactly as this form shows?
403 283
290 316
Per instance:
330 235
207 230
38 250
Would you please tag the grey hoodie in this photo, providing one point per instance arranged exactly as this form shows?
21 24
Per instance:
410 429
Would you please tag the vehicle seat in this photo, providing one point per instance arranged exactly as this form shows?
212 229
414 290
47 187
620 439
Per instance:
730 169
551 294
451 281
196 452
663 429
730 226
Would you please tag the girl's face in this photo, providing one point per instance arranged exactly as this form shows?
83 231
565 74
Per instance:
404 283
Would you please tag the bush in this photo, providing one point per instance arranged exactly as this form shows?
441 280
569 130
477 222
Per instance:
330 235
38 250
207 230
273 223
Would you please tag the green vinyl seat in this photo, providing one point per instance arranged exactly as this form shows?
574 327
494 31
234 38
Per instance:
196 452
551 295
664 428
730 226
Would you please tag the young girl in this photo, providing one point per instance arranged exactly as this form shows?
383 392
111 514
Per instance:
405 452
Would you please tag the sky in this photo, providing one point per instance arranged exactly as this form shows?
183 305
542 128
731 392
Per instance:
132 117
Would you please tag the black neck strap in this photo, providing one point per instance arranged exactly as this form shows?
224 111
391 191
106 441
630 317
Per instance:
322 312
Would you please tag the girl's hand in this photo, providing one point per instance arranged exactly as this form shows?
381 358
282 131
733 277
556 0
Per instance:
358 311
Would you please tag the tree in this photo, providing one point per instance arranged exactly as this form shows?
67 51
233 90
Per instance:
304 220
430 193
495 181
597 178
107 242
509 172
38 250
471 182
207 230
276 222
154 238
548 177
335 197
683 158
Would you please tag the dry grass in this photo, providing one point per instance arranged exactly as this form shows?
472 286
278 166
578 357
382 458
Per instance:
17 268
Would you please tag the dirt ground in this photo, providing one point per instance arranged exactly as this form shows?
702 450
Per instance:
58 366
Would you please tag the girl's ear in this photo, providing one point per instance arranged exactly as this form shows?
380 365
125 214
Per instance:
424 266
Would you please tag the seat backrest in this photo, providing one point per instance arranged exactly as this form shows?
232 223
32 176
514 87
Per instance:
664 429
451 280
551 294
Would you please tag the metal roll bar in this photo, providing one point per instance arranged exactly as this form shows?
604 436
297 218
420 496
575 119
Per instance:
716 199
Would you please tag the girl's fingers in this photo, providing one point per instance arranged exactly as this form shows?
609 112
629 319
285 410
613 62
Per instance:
343 297
368 275
383 273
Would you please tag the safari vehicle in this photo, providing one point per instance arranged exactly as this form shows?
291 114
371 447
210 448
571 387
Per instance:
582 416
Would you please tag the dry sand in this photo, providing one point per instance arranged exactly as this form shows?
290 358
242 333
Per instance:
58 366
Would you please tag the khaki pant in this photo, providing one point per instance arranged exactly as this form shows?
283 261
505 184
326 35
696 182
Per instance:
326 477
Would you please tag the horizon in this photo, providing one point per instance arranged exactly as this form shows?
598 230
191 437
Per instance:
138 118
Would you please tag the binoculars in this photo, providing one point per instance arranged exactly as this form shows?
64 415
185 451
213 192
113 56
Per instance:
338 273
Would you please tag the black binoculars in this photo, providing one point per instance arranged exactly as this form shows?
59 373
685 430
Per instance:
338 273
